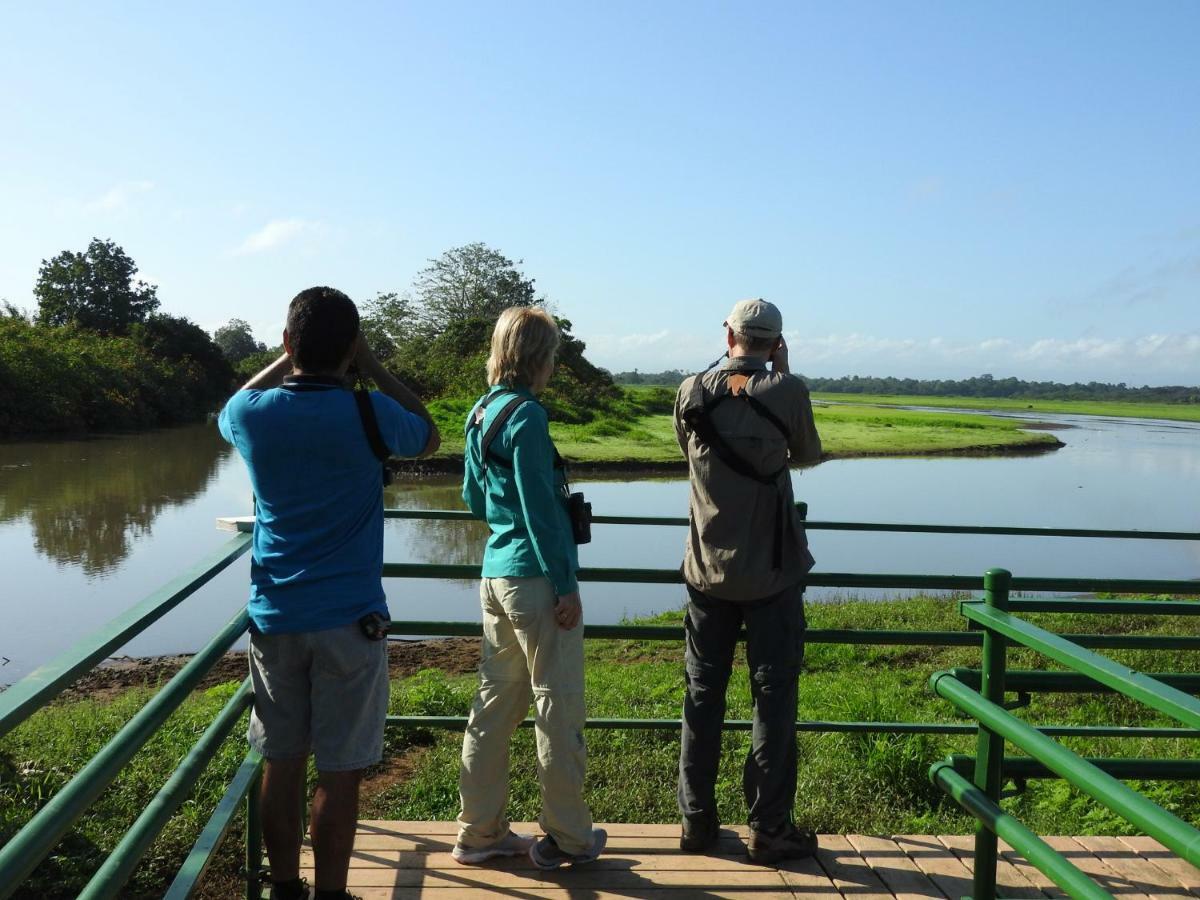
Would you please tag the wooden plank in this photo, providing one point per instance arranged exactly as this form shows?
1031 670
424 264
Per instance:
410 893
1108 878
848 871
445 843
622 829
683 862
1010 879
807 879
1143 875
938 863
899 873
763 880
1179 869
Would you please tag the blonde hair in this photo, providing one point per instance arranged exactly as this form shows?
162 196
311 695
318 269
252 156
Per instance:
523 344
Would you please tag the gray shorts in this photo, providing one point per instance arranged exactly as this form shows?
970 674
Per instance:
319 692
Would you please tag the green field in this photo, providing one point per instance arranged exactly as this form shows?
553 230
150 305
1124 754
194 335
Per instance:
640 430
1179 411
871 784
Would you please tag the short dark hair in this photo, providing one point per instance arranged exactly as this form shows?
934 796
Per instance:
322 324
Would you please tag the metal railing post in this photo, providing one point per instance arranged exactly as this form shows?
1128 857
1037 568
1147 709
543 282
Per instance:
989 748
254 846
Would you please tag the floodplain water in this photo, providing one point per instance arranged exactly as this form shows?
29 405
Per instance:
90 527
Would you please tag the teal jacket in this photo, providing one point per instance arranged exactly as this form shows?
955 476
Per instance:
524 503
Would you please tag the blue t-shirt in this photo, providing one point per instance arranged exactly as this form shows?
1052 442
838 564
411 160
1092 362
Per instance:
318 530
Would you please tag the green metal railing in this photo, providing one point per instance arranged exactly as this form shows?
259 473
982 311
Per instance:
981 695
25 850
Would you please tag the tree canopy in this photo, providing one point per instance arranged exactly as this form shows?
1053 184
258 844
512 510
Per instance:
236 341
469 282
95 289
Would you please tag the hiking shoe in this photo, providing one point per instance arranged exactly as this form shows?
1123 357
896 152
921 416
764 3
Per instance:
786 842
302 891
512 844
546 855
699 834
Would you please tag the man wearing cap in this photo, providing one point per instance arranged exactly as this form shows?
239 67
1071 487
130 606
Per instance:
741 424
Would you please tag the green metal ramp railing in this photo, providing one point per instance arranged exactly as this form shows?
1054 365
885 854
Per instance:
23 852
981 695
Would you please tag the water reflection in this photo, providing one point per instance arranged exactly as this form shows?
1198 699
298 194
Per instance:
431 540
88 501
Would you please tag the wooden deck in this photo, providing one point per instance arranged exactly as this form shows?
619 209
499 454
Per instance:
410 859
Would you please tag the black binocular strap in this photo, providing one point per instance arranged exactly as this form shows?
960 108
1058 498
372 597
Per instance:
370 424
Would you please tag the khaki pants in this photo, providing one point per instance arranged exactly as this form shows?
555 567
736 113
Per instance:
526 656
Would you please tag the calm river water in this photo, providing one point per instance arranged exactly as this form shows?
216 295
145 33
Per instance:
87 528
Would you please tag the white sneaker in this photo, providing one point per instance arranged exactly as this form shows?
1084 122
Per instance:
512 844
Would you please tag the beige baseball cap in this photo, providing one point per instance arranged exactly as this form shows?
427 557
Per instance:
756 318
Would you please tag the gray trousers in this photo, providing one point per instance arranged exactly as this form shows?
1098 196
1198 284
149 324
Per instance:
775 651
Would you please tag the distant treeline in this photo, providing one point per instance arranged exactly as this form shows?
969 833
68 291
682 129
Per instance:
979 386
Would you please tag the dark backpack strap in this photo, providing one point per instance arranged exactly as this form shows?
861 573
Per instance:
485 442
370 424
699 419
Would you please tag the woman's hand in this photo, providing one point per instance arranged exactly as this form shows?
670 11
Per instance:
568 610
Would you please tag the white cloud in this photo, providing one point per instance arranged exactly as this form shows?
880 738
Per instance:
276 233
118 196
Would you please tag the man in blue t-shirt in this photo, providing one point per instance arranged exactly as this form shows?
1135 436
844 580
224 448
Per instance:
318 613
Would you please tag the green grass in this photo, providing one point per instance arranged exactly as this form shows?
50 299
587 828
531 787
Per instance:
847 783
639 429
44 753
1178 411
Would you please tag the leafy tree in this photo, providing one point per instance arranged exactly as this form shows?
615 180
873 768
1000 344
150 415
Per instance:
181 340
469 282
236 341
94 289
388 322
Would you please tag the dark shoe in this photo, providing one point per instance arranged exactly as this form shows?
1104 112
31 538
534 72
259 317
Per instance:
546 854
297 890
699 835
786 842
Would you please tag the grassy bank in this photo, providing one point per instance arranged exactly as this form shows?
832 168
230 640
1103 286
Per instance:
639 429
1178 411
848 783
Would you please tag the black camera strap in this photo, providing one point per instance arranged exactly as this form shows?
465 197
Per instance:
370 426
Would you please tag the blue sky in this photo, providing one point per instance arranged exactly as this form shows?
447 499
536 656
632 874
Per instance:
934 189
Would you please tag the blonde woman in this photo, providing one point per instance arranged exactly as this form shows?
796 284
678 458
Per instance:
532 614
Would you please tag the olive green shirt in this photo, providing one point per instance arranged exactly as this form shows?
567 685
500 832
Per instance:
733 519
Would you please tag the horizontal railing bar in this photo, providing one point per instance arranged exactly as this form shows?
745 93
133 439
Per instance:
823 525
825 636
187 880
1041 855
29 846
1124 768
458 723
830 579
1106 607
1123 679
1042 681
111 877
1045 681
1125 802
40 686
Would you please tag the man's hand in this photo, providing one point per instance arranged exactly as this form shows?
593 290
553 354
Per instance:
779 359
568 610
363 357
